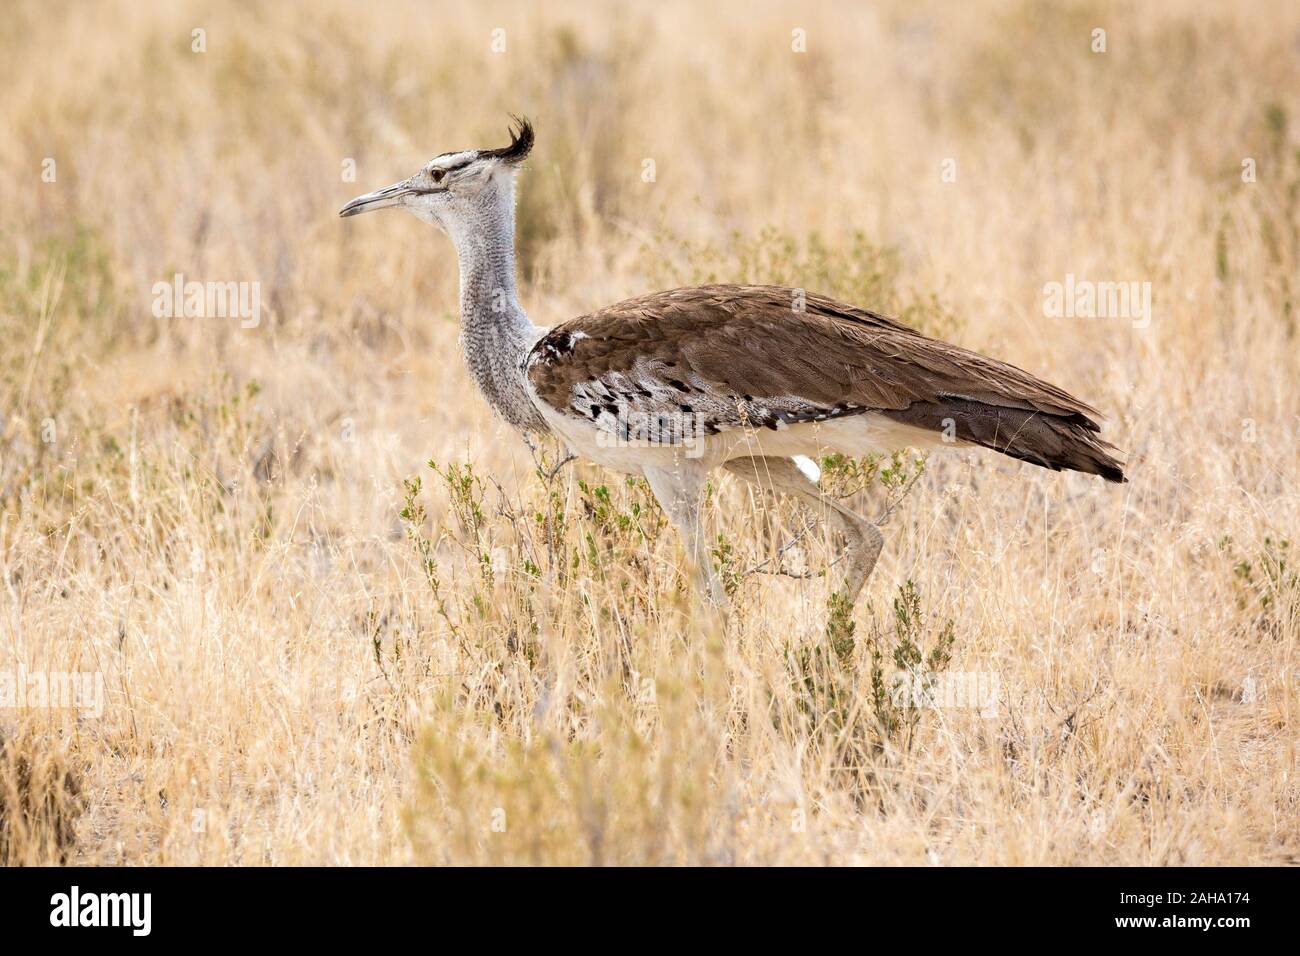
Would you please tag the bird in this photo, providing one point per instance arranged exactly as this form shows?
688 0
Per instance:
755 379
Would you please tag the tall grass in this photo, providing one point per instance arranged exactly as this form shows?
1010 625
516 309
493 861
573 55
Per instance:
316 648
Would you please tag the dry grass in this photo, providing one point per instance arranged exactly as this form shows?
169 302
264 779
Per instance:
295 673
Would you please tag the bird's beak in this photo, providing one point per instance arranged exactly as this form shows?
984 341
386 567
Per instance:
379 199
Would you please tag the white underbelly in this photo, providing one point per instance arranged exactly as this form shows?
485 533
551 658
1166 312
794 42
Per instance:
856 435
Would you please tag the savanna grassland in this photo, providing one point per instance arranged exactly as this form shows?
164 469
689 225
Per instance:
342 615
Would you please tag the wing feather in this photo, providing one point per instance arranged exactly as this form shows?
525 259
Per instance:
742 356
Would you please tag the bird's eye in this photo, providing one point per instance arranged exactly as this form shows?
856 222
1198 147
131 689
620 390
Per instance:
437 175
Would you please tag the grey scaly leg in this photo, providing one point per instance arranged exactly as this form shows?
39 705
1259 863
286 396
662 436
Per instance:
863 539
679 488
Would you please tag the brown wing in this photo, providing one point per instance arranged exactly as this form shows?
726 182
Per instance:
764 355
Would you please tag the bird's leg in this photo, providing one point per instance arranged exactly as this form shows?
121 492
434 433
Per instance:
678 488
863 539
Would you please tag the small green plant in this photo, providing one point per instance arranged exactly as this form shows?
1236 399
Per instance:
843 477
724 557
915 669
840 626
1267 581
465 490
864 709
618 526
413 515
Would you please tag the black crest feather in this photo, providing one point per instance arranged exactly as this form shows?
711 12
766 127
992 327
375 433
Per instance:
521 143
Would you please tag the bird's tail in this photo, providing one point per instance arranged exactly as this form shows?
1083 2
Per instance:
1058 442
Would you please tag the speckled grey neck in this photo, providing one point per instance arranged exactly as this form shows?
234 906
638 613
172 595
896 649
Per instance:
496 333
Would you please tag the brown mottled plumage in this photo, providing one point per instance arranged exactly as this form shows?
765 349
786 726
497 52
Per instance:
764 355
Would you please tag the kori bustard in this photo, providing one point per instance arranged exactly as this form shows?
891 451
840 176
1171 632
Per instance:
674 384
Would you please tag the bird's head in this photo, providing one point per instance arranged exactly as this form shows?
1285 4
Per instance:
453 189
